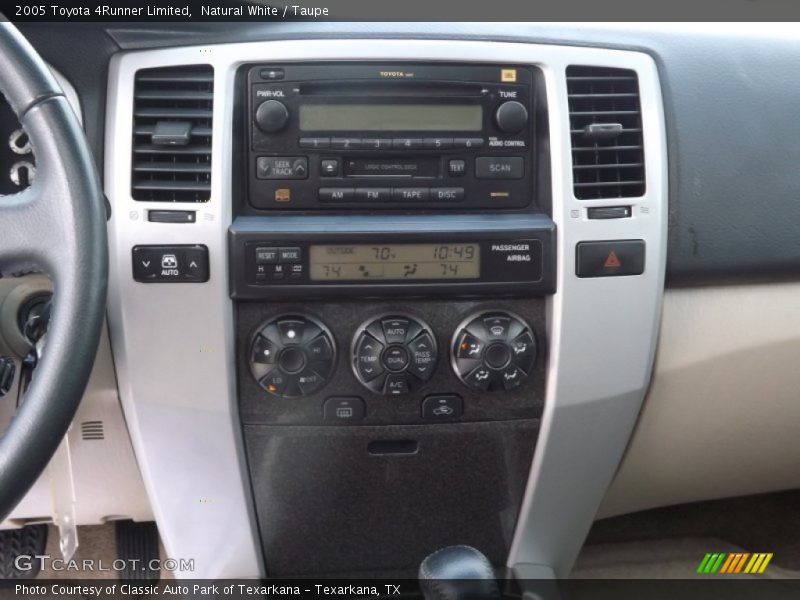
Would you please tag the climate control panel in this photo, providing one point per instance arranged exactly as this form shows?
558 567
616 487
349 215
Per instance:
394 354
457 360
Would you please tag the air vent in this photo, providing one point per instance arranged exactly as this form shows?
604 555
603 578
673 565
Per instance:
172 113
92 430
606 130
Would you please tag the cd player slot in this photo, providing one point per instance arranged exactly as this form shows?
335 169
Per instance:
360 88
392 167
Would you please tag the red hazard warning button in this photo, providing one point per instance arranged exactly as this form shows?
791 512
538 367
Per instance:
610 258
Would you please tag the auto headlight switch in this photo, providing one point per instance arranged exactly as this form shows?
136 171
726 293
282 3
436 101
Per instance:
493 351
393 355
292 356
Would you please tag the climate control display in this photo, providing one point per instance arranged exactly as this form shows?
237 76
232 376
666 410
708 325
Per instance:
493 351
392 355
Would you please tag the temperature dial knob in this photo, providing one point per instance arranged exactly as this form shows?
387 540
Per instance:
292 356
394 354
511 116
493 351
272 116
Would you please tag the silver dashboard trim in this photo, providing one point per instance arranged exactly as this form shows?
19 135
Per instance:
184 424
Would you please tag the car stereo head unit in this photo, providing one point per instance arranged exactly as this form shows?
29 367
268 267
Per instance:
335 136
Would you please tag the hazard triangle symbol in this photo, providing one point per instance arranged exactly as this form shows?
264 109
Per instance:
612 261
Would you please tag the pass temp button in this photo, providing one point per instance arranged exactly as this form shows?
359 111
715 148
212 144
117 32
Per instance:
499 167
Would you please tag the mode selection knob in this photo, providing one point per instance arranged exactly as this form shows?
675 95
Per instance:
394 354
493 351
292 356
511 116
272 116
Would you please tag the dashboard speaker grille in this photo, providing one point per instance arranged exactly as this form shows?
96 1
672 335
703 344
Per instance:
172 117
92 430
606 132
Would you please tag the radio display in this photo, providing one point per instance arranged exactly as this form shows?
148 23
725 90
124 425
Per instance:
373 262
391 117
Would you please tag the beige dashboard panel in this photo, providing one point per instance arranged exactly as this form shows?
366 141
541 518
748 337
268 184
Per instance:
722 416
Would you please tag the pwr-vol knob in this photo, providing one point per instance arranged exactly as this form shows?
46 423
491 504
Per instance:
272 116
493 351
511 116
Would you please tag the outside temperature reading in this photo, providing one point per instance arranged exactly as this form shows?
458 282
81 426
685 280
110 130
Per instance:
394 261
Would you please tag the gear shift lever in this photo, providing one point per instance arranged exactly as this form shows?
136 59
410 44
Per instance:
458 573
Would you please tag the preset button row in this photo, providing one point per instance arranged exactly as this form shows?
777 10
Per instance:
428 143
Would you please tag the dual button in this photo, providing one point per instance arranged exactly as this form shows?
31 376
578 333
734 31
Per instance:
399 194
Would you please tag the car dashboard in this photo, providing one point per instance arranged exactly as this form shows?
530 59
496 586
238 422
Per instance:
406 281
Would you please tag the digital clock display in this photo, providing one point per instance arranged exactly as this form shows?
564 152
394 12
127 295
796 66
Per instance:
400 262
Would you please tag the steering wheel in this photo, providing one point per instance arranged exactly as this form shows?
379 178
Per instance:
56 225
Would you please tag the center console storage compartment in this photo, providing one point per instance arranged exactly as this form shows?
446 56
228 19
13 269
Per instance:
380 499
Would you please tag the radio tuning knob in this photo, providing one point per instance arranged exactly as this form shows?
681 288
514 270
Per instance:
511 116
272 116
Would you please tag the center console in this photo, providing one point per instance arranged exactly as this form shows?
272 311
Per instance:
380 297
390 256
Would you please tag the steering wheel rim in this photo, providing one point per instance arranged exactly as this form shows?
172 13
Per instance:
57 225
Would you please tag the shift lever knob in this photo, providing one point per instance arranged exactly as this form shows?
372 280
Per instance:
458 573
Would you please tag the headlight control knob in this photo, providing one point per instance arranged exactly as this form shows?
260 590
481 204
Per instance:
292 356
493 351
393 355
